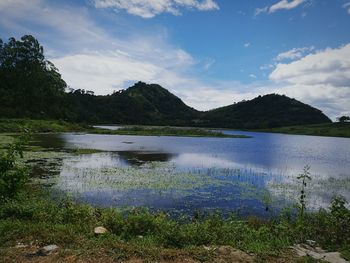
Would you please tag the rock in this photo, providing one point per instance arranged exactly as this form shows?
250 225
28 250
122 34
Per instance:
207 248
311 242
317 253
226 253
21 245
100 230
47 250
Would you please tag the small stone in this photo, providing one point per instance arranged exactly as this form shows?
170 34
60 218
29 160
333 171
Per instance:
21 245
140 237
100 230
311 243
47 250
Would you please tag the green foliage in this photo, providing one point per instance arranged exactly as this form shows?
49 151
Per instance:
264 112
61 221
330 229
12 176
336 129
344 118
16 125
30 85
303 177
165 131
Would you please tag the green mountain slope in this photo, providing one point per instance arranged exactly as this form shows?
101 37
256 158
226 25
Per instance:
153 105
264 112
140 104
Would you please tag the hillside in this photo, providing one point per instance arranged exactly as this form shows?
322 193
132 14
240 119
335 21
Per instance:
139 104
264 112
151 104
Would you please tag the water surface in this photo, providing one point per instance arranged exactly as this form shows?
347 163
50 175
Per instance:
184 174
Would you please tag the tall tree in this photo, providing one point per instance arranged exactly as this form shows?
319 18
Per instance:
28 80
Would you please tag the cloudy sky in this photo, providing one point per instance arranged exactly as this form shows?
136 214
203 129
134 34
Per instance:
208 52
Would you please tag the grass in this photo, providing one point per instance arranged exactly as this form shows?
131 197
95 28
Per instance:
165 131
34 217
38 126
42 126
336 129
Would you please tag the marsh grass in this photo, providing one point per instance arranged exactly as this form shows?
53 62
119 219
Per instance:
39 126
165 131
335 129
33 216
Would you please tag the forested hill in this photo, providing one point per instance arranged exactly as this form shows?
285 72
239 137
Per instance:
265 112
140 104
31 87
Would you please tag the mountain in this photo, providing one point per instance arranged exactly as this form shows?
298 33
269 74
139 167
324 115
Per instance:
140 104
264 112
151 104
163 105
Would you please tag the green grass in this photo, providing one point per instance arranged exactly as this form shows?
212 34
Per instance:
328 129
42 126
165 131
33 216
37 126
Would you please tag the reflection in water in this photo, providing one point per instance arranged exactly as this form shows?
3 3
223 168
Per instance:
107 179
45 140
137 158
187 174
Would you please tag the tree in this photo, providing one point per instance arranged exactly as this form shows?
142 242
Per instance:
344 118
30 85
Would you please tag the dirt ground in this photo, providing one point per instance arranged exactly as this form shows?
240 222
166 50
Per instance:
223 254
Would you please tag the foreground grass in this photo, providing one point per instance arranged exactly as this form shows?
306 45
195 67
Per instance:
138 233
336 129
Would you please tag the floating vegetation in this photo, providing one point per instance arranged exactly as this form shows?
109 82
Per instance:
5 139
320 191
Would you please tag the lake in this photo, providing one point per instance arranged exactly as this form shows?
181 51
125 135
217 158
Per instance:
253 176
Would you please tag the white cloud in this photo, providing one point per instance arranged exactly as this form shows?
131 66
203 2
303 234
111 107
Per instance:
330 66
285 4
347 7
208 63
281 5
151 8
103 72
293 54
322 79
258 11
247 45
252 76
267 67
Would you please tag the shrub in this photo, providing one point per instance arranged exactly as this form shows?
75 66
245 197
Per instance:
12 176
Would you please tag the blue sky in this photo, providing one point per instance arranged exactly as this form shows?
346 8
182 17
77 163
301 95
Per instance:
209 52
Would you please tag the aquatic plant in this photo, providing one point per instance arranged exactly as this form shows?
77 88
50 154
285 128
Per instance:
303 177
